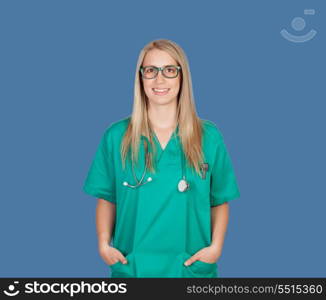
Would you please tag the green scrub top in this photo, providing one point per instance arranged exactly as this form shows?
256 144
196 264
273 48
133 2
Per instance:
157 227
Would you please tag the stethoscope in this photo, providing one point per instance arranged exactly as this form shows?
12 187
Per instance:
183 185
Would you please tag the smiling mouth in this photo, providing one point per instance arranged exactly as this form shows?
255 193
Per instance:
160 92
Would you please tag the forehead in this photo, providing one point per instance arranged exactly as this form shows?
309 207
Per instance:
158 58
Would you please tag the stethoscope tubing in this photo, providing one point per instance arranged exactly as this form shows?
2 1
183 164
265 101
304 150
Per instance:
183 184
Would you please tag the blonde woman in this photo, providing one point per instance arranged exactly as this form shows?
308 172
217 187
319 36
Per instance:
162 176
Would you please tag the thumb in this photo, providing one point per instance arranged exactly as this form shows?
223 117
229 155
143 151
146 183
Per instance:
123 259
190 260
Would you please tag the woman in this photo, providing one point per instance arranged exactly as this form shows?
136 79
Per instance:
167 219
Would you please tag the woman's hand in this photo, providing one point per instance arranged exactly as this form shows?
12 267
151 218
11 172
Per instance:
208 254
111 255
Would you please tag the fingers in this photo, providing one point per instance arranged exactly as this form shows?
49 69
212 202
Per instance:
123 259
110 263
191 260
113 256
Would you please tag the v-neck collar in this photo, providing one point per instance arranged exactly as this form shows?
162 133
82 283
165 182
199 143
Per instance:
175 131
159 150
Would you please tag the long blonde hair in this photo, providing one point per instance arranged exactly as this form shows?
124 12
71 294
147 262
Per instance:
190 125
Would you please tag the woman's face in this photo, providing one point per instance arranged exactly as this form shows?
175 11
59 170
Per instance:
159 58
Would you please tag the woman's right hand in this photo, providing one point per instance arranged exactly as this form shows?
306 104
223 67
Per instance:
111 255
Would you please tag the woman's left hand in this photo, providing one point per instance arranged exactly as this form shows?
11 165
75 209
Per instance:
208 254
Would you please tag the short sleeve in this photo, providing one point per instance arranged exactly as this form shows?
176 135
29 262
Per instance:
224 185
100 180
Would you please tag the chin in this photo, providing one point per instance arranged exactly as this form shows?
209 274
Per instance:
161 100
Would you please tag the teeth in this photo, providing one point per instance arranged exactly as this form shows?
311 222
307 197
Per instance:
160 90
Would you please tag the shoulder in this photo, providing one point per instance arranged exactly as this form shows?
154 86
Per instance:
117 128
211 130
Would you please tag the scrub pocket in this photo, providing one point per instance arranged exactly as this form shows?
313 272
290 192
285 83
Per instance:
120 270
200 269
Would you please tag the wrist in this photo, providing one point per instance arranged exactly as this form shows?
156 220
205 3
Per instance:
103 242
216 246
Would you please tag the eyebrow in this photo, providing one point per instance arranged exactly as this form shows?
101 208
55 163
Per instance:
157 66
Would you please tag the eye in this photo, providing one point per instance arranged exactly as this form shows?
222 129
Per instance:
171 69
149 70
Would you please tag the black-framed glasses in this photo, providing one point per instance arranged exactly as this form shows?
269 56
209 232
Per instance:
150 72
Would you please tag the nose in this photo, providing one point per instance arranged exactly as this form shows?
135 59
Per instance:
159 77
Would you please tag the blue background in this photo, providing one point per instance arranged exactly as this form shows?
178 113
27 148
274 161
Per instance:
67 72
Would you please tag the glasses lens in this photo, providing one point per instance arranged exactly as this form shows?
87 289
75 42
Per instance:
149 72
170 71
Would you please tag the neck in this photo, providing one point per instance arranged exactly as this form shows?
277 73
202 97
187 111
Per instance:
163 116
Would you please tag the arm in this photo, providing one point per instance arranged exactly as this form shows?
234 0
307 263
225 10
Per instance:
210 254
219 217
105 220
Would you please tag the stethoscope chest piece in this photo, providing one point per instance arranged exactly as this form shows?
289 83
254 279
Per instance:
183 185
